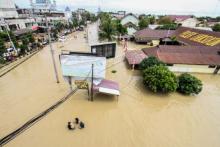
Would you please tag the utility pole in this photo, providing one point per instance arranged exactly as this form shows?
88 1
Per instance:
6 28
52 51
92 83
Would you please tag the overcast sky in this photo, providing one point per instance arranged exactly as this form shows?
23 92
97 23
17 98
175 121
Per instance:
196 7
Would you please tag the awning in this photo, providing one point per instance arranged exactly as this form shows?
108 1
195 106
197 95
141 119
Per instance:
107 87
34 28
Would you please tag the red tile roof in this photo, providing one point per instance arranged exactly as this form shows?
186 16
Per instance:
149 34
135 57
190 36
193 55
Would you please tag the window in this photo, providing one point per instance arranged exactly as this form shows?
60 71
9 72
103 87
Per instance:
169 64
212 66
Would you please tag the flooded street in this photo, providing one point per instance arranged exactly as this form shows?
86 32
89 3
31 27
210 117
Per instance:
138 119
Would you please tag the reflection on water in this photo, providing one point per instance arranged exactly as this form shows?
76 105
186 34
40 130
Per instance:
139 118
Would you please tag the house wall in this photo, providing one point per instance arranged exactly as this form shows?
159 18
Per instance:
7 9
156 42
130 18
191 68
191 22
131 30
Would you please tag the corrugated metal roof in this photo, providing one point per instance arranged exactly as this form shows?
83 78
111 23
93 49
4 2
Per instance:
149 34
196 39
194 55
135 57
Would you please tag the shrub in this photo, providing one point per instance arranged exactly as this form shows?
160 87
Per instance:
143 23
160 79
216 28
2 46
189 84
165 20
149 62
2 61
171 26
23 48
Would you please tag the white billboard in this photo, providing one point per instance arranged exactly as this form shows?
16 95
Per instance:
81 66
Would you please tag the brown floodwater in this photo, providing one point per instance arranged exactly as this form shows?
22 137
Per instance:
139 118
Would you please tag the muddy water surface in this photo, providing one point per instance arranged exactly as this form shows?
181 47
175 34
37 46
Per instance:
139 118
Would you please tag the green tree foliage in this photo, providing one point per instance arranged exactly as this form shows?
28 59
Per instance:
160 79
165 20
23 48
93 18
55 34
218 18
216 28
87 16
103 16
25 40
82 22
4 36
143 23
171 26
30 37
189 84
149 62
2 47
107 27
59 26
152 19
75 22
2 60
13 38
120 28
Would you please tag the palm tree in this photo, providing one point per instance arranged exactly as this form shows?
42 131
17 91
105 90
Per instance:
107 29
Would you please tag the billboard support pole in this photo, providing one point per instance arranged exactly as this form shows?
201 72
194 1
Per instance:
92 84
70 82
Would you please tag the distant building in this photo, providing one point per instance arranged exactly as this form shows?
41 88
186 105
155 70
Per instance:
11 18
80 10
130 21
14 18
184 20
68 14
118 15
212 23
8 9
44 5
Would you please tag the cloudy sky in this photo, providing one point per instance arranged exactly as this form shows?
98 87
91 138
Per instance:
196 7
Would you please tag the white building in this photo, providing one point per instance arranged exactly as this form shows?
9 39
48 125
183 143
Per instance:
130 21
44 5
68 14
8 9
184 20
10 18
190 22
14 18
